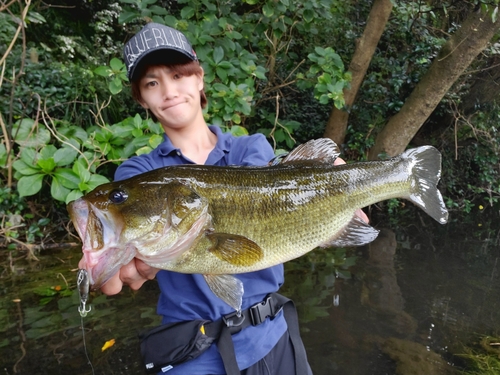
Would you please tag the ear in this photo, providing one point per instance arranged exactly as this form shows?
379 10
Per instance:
200 76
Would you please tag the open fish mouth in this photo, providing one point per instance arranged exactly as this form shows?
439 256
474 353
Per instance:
99 240
89 225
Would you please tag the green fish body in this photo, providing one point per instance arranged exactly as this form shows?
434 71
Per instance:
219 221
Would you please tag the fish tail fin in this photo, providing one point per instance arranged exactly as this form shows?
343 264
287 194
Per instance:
425 165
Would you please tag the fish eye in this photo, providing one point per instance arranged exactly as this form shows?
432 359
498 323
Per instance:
118 196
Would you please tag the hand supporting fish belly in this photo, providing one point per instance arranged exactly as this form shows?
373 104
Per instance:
215 220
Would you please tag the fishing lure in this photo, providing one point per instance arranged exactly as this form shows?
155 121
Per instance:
83 283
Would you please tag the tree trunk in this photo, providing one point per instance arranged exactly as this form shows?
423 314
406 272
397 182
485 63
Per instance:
455 56
365 48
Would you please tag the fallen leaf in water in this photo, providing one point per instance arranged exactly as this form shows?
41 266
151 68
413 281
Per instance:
108 344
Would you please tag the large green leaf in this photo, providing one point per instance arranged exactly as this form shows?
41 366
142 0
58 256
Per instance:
187 13
25 169
73 195
218 54
96 180
116 64
115 85
67 177
47 165
58 191
268 9
3 155
27 133
127 16
65 156
103 71
29 185
81 171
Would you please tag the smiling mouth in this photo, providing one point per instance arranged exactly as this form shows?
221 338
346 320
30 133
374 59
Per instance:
171 105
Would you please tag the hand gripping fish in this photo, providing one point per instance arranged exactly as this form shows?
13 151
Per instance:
220 221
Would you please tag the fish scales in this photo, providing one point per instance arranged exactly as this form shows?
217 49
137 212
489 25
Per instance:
293 205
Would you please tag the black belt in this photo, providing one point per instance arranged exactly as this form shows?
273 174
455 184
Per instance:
255 315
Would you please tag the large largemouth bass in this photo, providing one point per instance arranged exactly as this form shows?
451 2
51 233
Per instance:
219 221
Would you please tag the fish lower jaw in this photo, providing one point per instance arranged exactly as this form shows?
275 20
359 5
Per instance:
92 256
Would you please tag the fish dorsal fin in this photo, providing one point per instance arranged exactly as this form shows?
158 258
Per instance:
235 249
322 150
228 288
356 233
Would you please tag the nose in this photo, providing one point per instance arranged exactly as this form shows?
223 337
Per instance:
169 90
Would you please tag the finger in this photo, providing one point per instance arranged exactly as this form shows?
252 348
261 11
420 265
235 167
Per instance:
339 161
82 264
113 285
145 270
360 213
129 274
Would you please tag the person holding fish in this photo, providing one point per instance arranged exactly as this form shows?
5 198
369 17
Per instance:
167 80
258 336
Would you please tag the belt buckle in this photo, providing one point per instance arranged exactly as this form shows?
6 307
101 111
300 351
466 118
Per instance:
262 310
231 322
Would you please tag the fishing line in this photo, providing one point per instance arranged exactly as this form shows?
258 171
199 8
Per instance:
85 346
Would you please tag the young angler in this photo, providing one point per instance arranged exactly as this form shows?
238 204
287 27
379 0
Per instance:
167 80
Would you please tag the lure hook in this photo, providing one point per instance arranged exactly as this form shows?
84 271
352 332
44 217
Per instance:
83 283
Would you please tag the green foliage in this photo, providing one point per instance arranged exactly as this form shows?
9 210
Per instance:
482 359
14 218
116 73
275 67
68 158
473 174
49 293
328 69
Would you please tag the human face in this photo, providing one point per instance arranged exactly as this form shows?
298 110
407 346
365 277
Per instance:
173 98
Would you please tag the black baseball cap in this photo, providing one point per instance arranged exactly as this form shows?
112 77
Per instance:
156 40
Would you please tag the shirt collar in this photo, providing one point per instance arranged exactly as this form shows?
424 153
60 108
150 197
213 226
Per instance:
224 142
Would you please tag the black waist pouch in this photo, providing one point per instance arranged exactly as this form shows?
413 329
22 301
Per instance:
168 345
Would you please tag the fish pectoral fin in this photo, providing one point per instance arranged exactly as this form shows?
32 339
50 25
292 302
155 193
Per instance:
235 249
356 233
228 288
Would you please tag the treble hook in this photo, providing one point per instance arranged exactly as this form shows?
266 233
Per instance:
83 283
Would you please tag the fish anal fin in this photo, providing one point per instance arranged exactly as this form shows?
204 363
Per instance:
356 233
235 249
322 150
228 288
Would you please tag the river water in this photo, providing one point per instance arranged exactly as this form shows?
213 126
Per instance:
409 303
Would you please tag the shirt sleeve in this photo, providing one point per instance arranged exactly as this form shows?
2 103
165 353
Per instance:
131 167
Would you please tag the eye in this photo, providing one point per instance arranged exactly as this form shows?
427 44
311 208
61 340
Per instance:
118 196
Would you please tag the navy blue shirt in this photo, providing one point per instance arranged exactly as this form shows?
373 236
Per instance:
187 296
